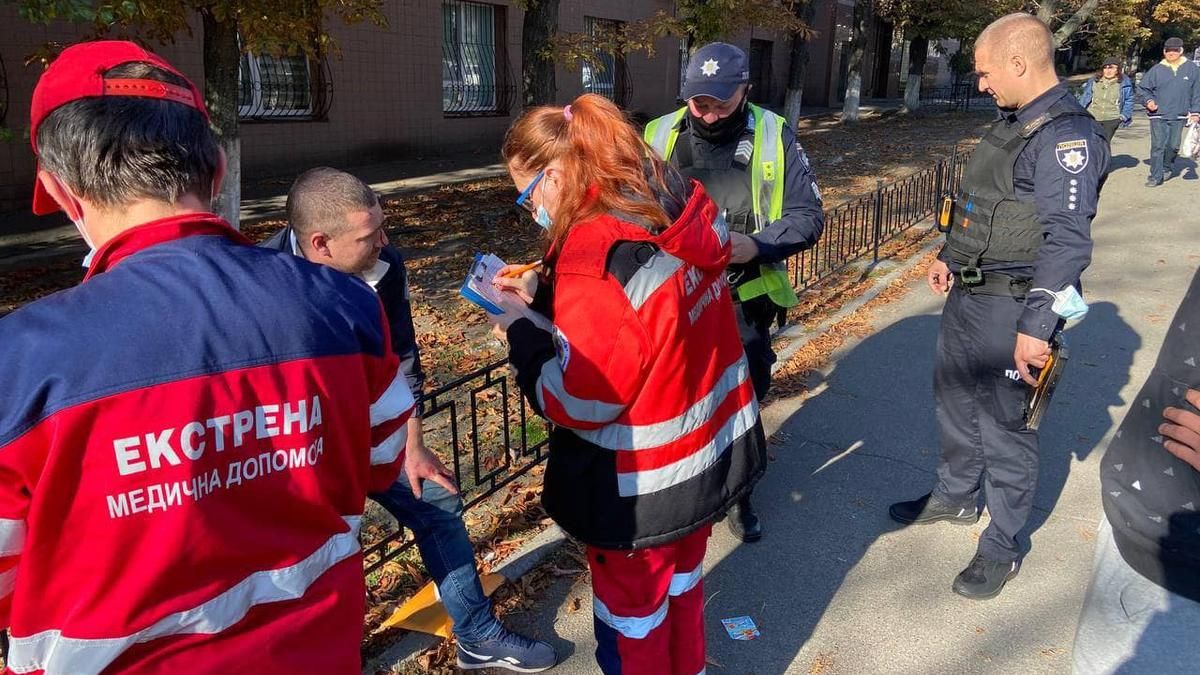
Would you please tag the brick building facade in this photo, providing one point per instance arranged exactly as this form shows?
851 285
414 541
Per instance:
442 77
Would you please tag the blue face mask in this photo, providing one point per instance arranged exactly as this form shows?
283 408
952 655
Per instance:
1067 303
543 217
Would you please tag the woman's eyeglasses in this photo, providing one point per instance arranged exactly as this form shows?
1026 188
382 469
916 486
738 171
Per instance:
523 200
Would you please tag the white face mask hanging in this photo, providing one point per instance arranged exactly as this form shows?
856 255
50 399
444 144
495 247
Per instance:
1067 303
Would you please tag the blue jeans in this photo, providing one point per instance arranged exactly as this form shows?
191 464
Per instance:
436 522
1164 146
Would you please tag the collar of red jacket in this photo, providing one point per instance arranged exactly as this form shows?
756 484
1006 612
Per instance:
159 232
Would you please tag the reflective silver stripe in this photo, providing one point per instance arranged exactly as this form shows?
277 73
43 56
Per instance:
8 581
682 583
394 402
54 653
12 536
635 627
580 409
653 480
650 277
646 436
387 451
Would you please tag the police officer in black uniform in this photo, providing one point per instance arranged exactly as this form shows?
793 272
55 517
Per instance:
1018 241
752 165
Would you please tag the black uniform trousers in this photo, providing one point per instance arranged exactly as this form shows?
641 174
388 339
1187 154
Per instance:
980 412
754 318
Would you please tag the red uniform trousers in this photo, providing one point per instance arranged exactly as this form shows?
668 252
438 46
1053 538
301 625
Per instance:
649 607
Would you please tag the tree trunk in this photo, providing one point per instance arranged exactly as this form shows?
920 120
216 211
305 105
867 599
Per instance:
222 59
798 66
918 51
1046 10
1072 24
537 64
858 43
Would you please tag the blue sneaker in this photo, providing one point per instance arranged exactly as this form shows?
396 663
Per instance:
510 651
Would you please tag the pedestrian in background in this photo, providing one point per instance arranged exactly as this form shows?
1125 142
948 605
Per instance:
635 358
1020 238
1109 98
1171 93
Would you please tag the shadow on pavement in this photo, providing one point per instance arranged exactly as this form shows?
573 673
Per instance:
1123 162
866 438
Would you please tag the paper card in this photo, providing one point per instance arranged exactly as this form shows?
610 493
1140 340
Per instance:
741 628
478 286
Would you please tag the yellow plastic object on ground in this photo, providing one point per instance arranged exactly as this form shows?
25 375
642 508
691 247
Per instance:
424 612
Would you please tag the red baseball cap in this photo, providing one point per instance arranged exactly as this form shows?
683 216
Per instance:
78 73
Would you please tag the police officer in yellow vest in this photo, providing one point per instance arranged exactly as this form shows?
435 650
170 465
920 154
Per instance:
752 165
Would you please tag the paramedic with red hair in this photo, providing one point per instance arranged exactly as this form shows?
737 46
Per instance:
628 344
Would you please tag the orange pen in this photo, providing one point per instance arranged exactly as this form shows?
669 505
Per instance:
514 273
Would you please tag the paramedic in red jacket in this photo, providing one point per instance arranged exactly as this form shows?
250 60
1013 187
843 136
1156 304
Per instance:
187 437
631 350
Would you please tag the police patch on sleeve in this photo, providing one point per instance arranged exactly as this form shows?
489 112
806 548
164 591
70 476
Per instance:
563 348
721 228
1072 156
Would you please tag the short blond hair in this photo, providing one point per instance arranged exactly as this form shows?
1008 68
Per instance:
1019 34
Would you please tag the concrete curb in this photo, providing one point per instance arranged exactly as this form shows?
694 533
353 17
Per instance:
547 542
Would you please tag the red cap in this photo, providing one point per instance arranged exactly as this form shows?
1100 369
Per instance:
78 72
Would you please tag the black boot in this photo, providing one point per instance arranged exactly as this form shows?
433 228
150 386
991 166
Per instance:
743 521
984 578
929 509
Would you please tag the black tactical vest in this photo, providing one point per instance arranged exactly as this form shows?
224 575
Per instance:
727 182
990 225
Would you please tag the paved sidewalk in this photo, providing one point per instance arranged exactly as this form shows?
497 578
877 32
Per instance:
836 587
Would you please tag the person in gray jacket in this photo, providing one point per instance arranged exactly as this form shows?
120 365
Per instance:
1171 93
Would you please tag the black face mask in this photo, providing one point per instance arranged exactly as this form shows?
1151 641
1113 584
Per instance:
724 130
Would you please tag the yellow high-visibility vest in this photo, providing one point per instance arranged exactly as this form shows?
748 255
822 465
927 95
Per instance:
766 185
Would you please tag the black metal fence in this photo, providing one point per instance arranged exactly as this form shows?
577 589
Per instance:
960 95
481 423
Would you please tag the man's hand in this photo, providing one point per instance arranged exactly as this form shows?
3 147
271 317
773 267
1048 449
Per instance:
1030 351
1193 118
939 277
421 464
1151 106
745 248
1182 431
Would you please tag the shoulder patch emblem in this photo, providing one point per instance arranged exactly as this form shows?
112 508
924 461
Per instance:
562 347
1072 156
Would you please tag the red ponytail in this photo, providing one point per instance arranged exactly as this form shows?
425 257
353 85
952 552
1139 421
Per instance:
602 156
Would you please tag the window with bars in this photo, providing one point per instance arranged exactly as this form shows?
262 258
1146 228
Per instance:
607 73
474 60
283 87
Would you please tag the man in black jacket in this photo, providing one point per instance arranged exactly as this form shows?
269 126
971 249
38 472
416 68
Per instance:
335 219
1142 610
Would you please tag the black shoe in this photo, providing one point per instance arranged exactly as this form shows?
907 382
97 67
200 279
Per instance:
1150 182
984 578
929 509
743 521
